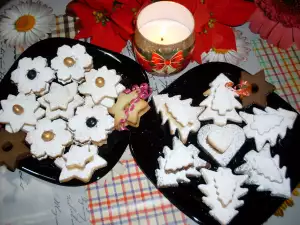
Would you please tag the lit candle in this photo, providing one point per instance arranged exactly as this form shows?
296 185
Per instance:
164 37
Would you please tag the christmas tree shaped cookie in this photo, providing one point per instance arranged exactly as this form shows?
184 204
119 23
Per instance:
178 164
266 126
264 171
222 190
180 114
221 103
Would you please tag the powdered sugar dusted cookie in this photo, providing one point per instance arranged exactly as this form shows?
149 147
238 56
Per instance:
100 83
266 126
264 171
49 138
60 96
32 75
78 157
180 114
222 190
221 143
71 63
221 103
64 114
19 111
91 124
178 164
85 173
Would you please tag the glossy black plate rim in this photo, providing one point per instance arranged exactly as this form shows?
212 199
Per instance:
252 188
123 136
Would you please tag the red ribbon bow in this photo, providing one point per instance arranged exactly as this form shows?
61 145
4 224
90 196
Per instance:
160 62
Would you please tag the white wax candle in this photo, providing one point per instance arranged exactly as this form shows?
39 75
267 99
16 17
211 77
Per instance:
164 31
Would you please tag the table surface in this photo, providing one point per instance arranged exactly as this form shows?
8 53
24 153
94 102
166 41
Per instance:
125 196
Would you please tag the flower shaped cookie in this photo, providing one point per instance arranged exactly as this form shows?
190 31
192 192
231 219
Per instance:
91 124
100 83
71 63
33 75
49 138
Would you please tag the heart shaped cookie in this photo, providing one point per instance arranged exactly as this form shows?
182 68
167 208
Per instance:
221 143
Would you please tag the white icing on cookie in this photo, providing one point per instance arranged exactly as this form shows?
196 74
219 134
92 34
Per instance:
75 72
172 170
84 174
27 106
264 170
179 113
32 75
60 96
236 135
266 126
98 92
220 139
64 114
222 190
78 157
102 123
52 147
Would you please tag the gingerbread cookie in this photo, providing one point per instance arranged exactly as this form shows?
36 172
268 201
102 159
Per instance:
32 75
12 149
259 89
71 63
100 83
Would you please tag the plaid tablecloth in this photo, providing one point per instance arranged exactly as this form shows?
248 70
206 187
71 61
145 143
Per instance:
131 198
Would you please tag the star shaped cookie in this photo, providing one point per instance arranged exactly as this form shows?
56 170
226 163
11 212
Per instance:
12 149
260 89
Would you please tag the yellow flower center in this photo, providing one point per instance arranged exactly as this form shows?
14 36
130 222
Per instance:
220 51
25 23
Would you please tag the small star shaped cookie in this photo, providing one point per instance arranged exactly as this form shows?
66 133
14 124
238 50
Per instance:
12 149
260 89
78 157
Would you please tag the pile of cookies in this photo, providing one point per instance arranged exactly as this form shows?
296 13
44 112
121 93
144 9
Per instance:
221 141
78 112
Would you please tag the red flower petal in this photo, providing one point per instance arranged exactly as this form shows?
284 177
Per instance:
101 4
231 12
223 37
203 43
84 33
123 17
84 13
189 4
201 17
105 37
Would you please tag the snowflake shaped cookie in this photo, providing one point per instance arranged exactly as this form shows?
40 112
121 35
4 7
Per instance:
180 114
50 138
32 75
84 174
18 111
64 114
71 63
100 83
266 126
178 164
264 171
91 124
78 157
222 190
60 96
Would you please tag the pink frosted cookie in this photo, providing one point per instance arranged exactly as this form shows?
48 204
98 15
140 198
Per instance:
264 170
49 138
71 63
221 143
100 83
222 192
91 124
19 111
88 159
33 76
178 164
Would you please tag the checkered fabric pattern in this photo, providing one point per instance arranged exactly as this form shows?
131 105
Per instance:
282 68
65 27
131 199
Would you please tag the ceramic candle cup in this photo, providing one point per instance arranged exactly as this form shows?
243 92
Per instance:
164 37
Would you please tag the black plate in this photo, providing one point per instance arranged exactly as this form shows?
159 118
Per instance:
131 74
149 139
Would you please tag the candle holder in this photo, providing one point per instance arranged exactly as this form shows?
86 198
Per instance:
164 38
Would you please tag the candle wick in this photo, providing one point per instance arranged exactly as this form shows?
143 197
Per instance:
161 39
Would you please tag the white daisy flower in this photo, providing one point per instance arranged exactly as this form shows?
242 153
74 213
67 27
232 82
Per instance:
230 56
26 23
